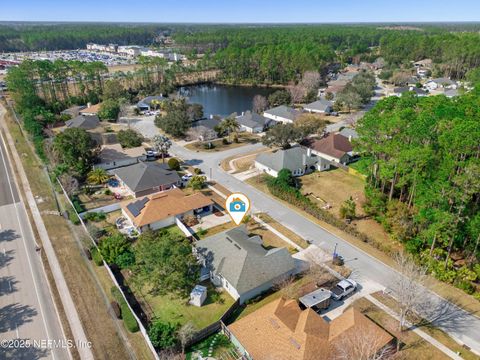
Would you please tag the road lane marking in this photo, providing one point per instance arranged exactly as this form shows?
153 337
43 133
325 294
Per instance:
24 242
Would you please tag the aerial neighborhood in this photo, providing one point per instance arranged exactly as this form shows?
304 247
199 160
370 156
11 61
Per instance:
224 191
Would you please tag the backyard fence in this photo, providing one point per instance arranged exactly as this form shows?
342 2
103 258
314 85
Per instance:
216 326
106 209
112 276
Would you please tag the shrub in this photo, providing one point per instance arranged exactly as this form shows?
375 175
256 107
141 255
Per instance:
129 138
96 256
108 192
125 260
128 318
201 231
116 309
95 216
224 141
466 286
73 218
162 334
173 164
197 171
77 204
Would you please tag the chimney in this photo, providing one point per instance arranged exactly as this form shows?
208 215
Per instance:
89 104
304 159
309 152
350 138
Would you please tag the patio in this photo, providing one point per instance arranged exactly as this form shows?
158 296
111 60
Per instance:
211 220
125 226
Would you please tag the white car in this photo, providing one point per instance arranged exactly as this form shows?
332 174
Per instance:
343 289
187 177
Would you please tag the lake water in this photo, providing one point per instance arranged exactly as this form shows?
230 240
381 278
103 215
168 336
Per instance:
223 99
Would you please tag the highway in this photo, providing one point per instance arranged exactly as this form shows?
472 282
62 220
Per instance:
28 318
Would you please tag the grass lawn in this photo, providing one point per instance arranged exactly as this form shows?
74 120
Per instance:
178 311
218 145
98 199
282 229
333 187
174 230
361 165
270 240
414 347
241 162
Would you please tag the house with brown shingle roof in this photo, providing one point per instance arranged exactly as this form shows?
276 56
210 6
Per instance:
280 330
333 147
163 209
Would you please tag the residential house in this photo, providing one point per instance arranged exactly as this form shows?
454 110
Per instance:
333 147
282 113
253 123
298 160
438 83
240 264
143 179
90 109
399 91
73 111
280 330
146 103
114 156
204 129
166 208
321 106
86 122
349 133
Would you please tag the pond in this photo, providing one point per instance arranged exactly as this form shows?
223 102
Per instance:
223 99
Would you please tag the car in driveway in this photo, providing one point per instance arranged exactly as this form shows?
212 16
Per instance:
343 289
187 177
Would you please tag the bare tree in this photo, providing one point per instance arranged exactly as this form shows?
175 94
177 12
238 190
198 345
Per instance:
69 183
162 145
318 274
201 133
185 334
286 287
297 93
362 344
407 288
170 354
310 80
260 103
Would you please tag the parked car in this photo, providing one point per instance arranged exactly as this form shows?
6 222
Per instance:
186 177
343 289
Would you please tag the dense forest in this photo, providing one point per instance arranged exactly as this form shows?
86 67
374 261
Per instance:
32 37
423 181
281 54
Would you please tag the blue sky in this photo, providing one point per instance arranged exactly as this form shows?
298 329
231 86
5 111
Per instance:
241 10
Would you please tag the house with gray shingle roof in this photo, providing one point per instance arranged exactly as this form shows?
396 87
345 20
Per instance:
252 122
282 113
298 160
86 122
322 106
143 179
240 264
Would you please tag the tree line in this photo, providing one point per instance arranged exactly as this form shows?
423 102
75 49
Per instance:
423 179
73 36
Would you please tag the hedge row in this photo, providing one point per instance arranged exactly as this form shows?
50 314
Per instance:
128 319
296 198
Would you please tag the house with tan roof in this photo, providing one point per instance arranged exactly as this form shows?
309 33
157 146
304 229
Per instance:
90 109
163 209
333 147
280 330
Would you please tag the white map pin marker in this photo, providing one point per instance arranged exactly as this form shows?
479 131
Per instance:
237 205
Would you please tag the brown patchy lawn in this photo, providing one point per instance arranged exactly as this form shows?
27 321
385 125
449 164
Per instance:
244 139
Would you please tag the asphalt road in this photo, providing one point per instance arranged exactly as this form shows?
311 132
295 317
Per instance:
442 313
28 317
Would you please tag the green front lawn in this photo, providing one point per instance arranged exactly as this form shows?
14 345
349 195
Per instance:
178 311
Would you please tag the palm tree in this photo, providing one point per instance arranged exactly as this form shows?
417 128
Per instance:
230 125
97 176
162 144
